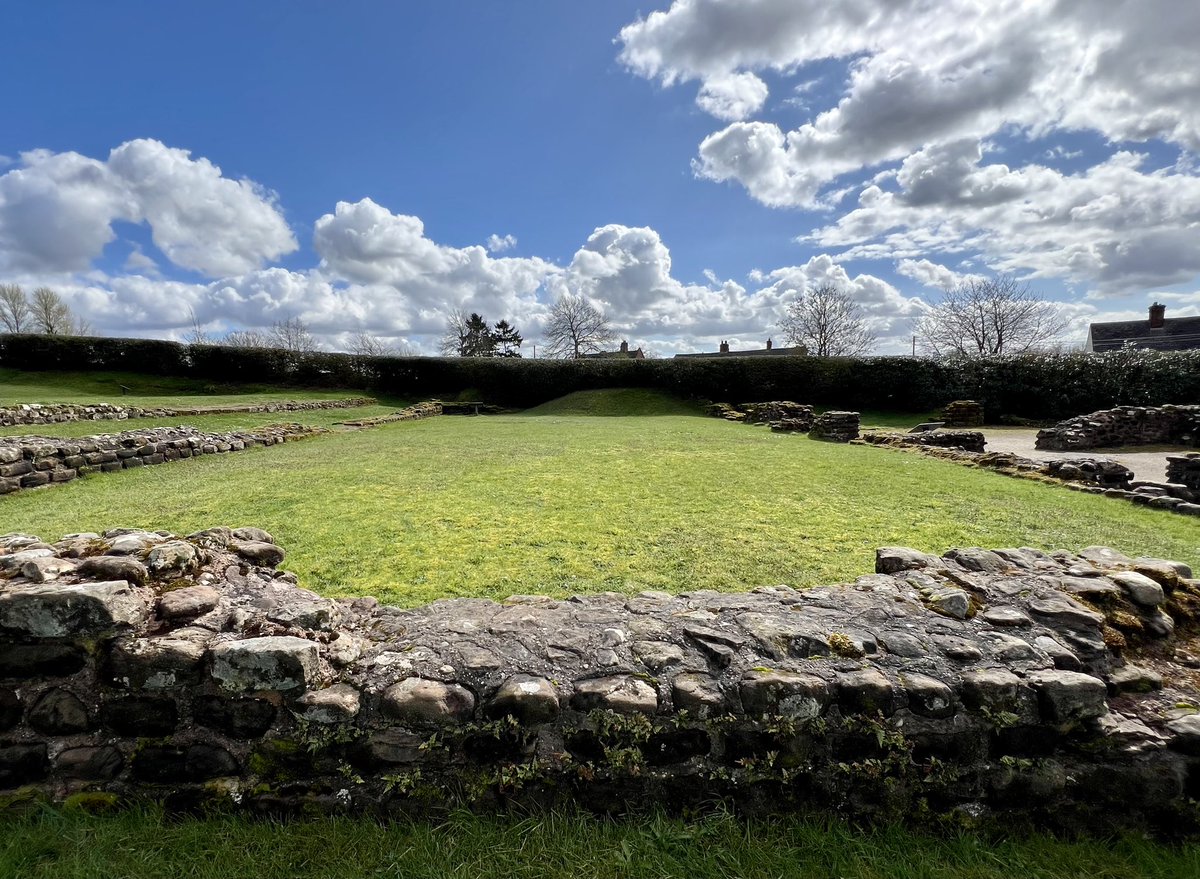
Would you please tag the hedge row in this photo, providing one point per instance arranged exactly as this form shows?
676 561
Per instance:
1033 386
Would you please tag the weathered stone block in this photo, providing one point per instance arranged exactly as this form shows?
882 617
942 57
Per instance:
791 694
64 611
155 663
241 717
1067 697
140 715
59 712
188 603
928 696
624 694
90 764
266 554
528 698
43 660
994 690
336 704
22 764
279 662
172 764
698 694
866 691
417 700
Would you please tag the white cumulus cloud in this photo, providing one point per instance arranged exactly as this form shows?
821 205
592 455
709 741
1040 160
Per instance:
57 211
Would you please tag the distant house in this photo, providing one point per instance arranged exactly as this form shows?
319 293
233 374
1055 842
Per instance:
724 351
1158 332
623 353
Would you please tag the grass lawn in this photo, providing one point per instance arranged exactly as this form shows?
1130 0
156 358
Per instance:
603 490
144 390
561 499
146 846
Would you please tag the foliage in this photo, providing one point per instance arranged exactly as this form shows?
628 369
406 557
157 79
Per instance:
1049 386
828 322
991 316
576 327
471 336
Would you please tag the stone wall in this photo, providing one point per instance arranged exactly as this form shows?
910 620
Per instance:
835 426
1184 470
1009 683
57 413
970 440
1125 426
963 413
1095 475
34 461
409 413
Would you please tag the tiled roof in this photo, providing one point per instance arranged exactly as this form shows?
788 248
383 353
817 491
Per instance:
1176 334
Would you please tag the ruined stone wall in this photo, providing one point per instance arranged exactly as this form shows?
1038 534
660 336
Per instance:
1125 426
192 670
963 413
34 461
1184 470
57 413
408 413
969 440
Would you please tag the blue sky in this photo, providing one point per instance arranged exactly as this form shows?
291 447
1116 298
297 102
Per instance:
689 166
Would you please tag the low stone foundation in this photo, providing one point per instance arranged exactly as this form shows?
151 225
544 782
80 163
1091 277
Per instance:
968 440
34 461
1009 683
57 413
1124 426
409 413
1095 475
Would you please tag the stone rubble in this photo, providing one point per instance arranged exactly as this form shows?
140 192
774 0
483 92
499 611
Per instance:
192 670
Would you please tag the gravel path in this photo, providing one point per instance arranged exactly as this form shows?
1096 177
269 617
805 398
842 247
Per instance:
1146 462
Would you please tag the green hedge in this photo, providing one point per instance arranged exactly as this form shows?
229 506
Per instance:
1034 386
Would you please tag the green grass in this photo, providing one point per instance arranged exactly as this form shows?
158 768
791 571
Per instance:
144 845
144 390
565 503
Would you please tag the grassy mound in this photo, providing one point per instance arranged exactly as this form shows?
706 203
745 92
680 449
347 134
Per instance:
616 403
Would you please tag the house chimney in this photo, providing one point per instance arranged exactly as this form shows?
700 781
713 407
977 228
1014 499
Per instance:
1157 316
768 344
724 349
624 347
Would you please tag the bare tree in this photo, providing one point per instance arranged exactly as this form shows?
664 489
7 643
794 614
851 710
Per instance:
15 313
828 322
989 316
292 335
576 327
52 316
197 335
365 344
245 339
454 340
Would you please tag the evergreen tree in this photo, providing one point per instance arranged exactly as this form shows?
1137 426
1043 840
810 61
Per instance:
506 339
